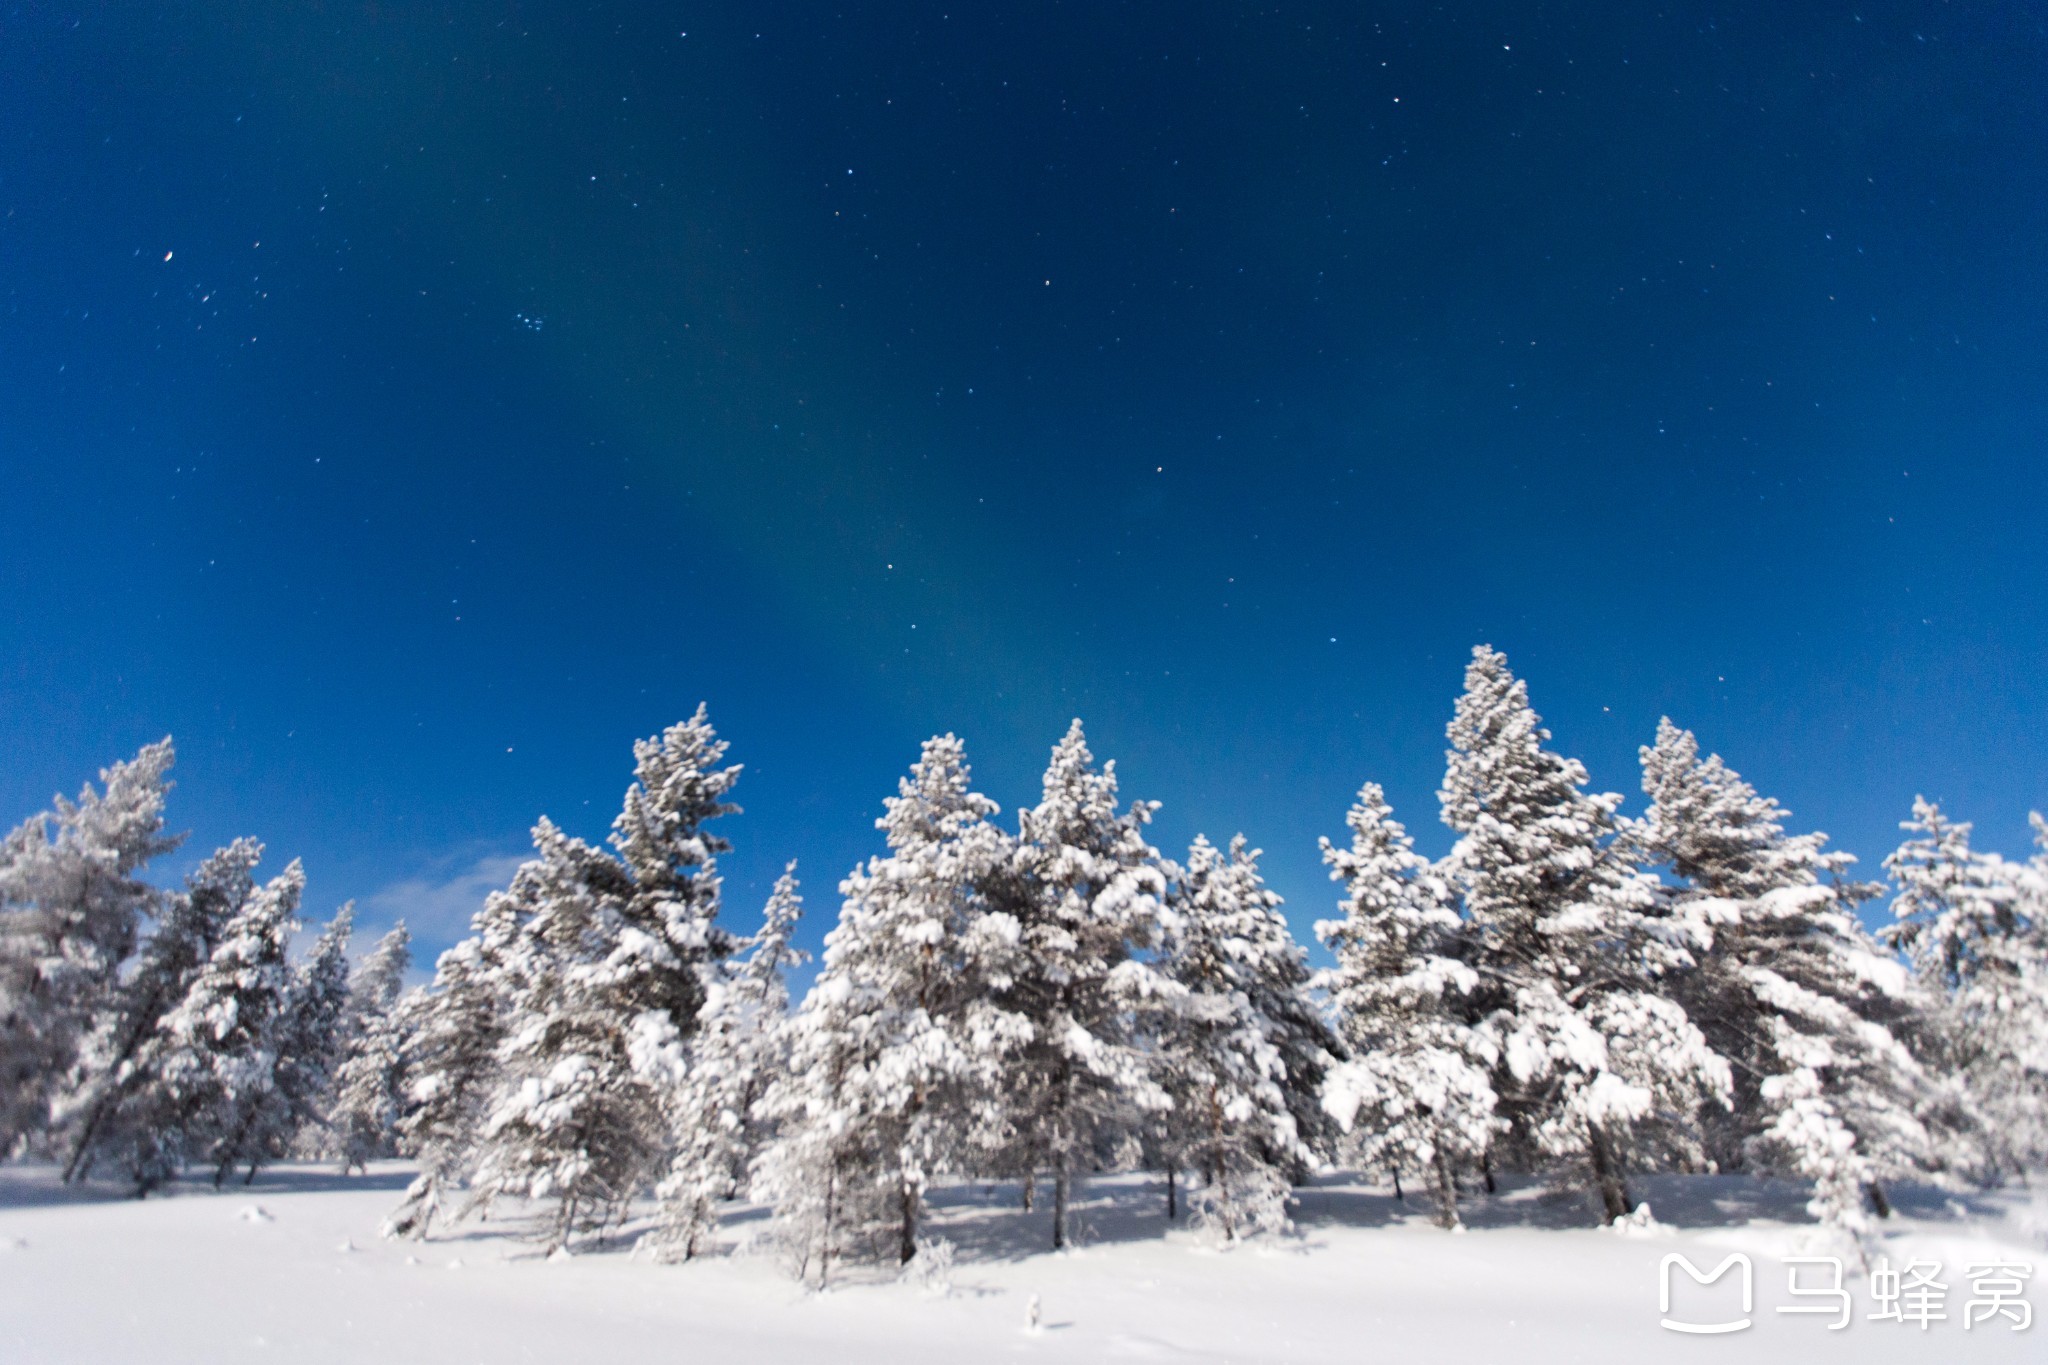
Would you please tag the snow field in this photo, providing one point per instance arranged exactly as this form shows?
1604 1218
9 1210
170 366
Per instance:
201 1277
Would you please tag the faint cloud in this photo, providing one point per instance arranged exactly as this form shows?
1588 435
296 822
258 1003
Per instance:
437 902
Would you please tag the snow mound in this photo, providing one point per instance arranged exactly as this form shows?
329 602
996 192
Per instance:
1640 1222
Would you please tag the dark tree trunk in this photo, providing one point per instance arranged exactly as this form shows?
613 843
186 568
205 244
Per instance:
906 1240
1398 1196
1059 1204
1030 1179
1878 1201
76 1167
1607 1173
1446 1193
1486 1169
1172 1194
825 1239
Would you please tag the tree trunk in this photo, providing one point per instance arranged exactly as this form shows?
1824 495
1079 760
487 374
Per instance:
564 1222
1446 1193
233 1145
1399 1198
1059 1204
1172 1194
1486 1169
1878 1200
91 1130
1607 1172
906 1241
1030 1178
825 1235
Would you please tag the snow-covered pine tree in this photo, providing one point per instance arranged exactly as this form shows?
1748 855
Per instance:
754 1007
211 1063
1973 927
71 906
816 1168
1415 1091
101 1119
379 979
274 1120
451 1035
672 860
1787 986
1243 1054
607 978
898 1052
309 1041
737 1052
1086 891
1596 1065
577 1117
368 1083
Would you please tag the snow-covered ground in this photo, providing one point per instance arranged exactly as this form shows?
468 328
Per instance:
292 1269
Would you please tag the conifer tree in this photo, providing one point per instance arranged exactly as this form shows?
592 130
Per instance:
1787 986
376 983
577 1116
1415 1091
449 1056
309 1042
71 907
817 1169
899 1048
1243 1055
368 1082
737 1052
1085 890
1596 1065
103 1119
1973 927
211 1062
607 978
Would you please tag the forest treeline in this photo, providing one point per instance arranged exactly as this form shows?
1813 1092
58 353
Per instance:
1569 992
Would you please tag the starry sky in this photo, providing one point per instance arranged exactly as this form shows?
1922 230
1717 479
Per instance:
408 405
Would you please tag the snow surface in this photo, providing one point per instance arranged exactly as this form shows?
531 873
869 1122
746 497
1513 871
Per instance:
292 1269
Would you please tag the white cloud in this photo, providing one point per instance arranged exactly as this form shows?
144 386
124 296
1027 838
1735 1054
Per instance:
437 902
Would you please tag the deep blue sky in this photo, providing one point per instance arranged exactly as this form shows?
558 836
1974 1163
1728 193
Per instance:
407 405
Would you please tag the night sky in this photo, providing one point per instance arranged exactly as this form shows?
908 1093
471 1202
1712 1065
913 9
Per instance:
408 405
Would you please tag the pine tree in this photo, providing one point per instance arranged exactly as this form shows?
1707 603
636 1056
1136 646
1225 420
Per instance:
1596 1066
577 1117
368 1083
212 1060
1243 1054
816 1171
1415 1092
1974 929
379 979
449 1056
102 1119
607 980
900 1046
71 907
736 1053
1787 986
309 1043
1085 890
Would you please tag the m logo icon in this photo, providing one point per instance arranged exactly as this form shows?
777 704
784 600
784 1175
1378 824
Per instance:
1736 1259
